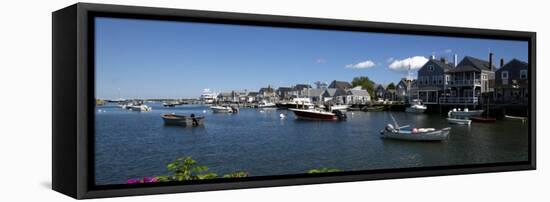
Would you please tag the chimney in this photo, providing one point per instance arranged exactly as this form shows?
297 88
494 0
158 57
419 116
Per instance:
456 60
491 61
432 57
501 62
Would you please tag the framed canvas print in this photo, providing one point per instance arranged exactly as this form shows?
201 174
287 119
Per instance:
155 100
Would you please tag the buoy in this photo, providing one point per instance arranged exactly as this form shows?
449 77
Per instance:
204 111
282 116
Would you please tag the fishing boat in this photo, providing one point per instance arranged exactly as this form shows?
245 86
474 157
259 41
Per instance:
458 120
317 114
416 134
466 113
224 109
416 107
266 104
139 108
181 120
373 108
296 103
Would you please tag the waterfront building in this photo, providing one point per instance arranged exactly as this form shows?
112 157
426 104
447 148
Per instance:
432 80
379 92
333 95
512 82
342 85
316 95
403 89
355 96
468 81
267 94
299 90
252 97
227 97
284 93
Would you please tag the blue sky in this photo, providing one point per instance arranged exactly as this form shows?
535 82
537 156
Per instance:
163 59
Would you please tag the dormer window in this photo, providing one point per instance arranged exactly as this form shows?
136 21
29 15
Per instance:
523 74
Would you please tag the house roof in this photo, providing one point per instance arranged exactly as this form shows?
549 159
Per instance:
253 94
358 92
340 84
284 89
380 87
268 89
301 86
514 64
331 92
469 64
226 94
445 66
315 92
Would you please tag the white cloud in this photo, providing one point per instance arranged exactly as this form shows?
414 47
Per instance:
415 62
391 59
362 65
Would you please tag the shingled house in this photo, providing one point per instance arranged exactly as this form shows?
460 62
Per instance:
469 80
432 79
343 85
512 82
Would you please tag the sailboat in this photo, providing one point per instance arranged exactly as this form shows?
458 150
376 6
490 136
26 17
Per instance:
486 119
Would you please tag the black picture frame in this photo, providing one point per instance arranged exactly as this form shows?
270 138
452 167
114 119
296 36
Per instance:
74 101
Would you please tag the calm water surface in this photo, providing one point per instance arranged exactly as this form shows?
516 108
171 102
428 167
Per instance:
137 144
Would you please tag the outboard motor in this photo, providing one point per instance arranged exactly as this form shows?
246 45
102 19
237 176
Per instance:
341 115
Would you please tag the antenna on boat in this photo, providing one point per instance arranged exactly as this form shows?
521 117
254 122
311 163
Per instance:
394 121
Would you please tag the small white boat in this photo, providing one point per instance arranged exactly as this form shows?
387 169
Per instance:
521 118
465 113
139 108
267 105
458 120
340 107
416 107
224 109
415 134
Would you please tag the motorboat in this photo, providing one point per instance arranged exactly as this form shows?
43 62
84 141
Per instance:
224 109
521 118
181 120
340 107
416 107
317 114
480 119
139 108
169 104
458 120
266 104
296 103
415 134
466 113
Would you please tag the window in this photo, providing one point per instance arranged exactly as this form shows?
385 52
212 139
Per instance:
523 74
430 68
504 75
484 76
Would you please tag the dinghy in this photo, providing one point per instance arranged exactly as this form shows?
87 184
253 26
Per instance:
415 134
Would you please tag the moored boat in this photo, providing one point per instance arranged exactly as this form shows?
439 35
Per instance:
415 134
521 118
465 113
458 120
224 109
266 104
316 114
480 119
340 107
296 103
416 107
181 120
139 108
373 109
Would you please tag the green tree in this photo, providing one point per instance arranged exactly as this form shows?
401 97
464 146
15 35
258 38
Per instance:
365 83
323 170
391 86
185 168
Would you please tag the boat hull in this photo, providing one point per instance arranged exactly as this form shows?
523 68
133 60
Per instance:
415 110
459 121
293 106
309 115
438 135
178 120
222 109
483 119
466 114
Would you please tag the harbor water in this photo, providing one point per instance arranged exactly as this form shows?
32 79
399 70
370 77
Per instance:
132 144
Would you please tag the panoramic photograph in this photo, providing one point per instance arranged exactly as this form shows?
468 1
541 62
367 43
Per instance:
187 101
